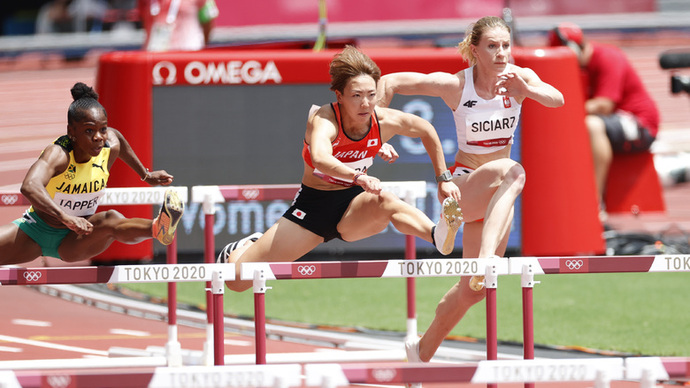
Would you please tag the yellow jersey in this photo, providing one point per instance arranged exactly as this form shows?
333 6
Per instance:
79 188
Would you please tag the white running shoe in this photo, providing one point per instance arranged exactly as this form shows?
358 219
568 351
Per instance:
447 226
225 252
412 351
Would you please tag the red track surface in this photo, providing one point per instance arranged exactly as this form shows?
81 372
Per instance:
33 107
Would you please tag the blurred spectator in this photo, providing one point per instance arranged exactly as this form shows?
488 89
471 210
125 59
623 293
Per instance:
71 16
54 17
621 116
123 15
177 24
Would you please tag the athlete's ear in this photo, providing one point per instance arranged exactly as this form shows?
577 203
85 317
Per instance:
338 96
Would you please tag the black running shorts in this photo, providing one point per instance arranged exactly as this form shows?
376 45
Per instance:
320 211
637 138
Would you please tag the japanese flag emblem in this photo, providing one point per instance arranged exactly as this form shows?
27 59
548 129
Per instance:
299 214
372 142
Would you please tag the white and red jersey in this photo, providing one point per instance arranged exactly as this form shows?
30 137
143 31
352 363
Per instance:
484 126
357 154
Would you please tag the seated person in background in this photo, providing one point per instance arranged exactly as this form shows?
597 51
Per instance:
621 116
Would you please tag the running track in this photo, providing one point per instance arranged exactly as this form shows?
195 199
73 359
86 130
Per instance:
38 326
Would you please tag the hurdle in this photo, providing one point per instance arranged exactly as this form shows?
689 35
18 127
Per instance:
116 196
141 273
259 273
526 267
210 196
601 372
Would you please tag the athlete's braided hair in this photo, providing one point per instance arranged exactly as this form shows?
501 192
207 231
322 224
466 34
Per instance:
85 98
350 63
474 35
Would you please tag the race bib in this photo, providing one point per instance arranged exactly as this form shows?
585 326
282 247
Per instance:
490 129
79 205
361 166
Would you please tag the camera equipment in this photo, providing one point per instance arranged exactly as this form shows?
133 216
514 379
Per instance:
676 59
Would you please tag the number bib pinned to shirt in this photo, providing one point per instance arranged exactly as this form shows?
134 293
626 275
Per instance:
490 129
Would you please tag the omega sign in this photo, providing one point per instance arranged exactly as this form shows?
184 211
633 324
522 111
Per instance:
231 72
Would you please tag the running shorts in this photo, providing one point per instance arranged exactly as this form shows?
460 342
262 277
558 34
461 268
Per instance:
626 134
46 236
320 211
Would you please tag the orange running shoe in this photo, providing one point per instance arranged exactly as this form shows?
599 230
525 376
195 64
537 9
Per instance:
165 224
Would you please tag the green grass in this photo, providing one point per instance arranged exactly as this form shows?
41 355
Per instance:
638 313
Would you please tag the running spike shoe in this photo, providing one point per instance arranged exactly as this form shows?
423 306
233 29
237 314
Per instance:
165 224
447 226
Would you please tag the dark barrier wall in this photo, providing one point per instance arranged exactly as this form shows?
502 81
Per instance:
238 117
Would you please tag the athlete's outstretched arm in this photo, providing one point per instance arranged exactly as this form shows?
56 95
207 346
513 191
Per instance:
410 125
121 148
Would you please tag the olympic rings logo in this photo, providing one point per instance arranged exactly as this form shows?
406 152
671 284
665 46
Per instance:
383 374
10 199
250 194
306 270
574 265
32 276
59 381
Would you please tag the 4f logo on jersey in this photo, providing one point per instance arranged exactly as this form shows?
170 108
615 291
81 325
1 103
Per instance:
506 102
470 103
372 142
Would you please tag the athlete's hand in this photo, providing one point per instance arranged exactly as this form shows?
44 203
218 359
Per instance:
370 184
511 85
388 153
159 177
78 225
448 189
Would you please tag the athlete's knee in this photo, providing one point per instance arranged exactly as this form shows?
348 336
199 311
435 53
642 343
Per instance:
595 124
388 198
390 204
515 176
108 217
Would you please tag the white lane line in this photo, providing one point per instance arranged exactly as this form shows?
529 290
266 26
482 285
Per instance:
238 342
9 349
134 333
77 349
31 322
17 164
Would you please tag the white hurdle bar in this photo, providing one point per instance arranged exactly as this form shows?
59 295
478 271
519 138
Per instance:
211 195
142 273
526 267
259 273
601 371
117 196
